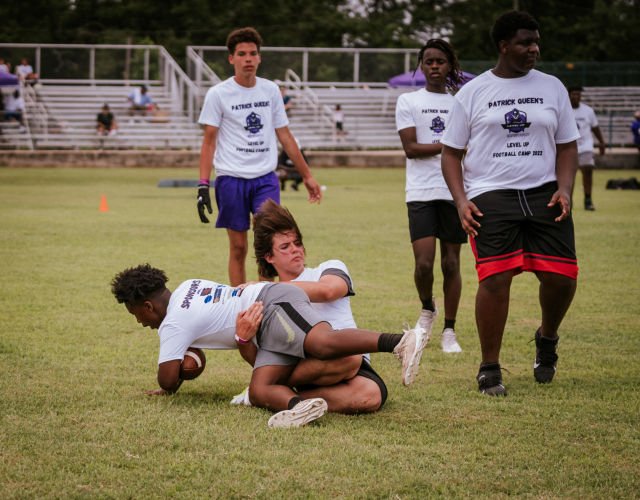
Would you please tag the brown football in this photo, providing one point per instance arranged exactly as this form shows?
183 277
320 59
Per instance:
193 363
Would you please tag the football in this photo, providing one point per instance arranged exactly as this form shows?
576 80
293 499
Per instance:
193 363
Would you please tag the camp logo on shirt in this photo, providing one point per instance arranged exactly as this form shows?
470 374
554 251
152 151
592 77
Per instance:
254 123
515 121
437 125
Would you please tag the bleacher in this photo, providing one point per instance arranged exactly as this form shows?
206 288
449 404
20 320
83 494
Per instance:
369 117
66 118
61 110
614 107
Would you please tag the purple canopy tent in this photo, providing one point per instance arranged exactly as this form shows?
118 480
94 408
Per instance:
408 79
8 80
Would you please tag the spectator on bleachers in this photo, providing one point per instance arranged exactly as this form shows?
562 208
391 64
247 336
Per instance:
338 120
24 71
14 108
635 130
105 122
140 102
5 66
286 99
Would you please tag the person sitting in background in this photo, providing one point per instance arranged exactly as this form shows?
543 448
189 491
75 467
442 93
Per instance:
5 66
286 99
106 122
24 71
286 171
140 101
14 108
635 130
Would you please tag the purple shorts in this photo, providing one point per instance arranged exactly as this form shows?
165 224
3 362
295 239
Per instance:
238 198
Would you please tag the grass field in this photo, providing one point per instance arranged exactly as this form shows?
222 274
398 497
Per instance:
75 423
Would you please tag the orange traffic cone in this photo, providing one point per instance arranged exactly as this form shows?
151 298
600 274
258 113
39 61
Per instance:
104 206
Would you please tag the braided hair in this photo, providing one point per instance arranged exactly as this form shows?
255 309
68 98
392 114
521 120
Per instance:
454 78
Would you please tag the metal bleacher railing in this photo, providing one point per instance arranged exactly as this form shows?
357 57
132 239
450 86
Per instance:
76 79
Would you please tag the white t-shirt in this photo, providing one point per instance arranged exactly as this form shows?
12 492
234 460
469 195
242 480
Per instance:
246 118
510 127
585 121
23 70
429 113
203 313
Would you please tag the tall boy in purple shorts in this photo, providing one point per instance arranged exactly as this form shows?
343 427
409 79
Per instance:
242 116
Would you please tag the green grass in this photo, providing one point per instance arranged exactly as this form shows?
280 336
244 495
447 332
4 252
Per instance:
74 422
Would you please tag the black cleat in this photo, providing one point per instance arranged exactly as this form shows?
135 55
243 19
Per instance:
490 380
544 367
588 205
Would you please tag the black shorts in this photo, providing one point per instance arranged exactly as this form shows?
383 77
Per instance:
365 371
518 233
437 218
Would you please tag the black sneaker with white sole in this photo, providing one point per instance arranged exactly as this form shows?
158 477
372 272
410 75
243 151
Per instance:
490 380
544 367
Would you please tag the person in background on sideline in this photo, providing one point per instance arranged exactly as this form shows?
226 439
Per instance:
242 116
635 129
587 124
421 119
515 128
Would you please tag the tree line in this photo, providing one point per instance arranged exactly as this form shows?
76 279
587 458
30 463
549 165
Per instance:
579 30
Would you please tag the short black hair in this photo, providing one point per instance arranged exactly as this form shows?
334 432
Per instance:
508 24
243 35
575 88
137 284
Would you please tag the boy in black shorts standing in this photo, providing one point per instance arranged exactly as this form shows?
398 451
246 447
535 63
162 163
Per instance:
514 193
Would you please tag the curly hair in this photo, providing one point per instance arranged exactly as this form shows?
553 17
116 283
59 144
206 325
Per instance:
137 284
270 219
508 24
454 77
243 35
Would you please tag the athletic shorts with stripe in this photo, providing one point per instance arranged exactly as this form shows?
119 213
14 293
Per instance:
288 317
518 233
437 218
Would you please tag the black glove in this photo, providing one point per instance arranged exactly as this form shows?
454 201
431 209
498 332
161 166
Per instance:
204 200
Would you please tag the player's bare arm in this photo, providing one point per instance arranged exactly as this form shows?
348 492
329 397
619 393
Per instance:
329 288
168 378
413 149
452 172
289 145
566 168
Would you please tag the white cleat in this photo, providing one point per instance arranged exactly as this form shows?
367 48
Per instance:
301 414
449 341
409 352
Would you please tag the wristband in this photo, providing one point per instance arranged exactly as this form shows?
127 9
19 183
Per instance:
241 341
203 182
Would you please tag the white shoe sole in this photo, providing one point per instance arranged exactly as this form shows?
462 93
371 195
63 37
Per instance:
409 375
301 414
